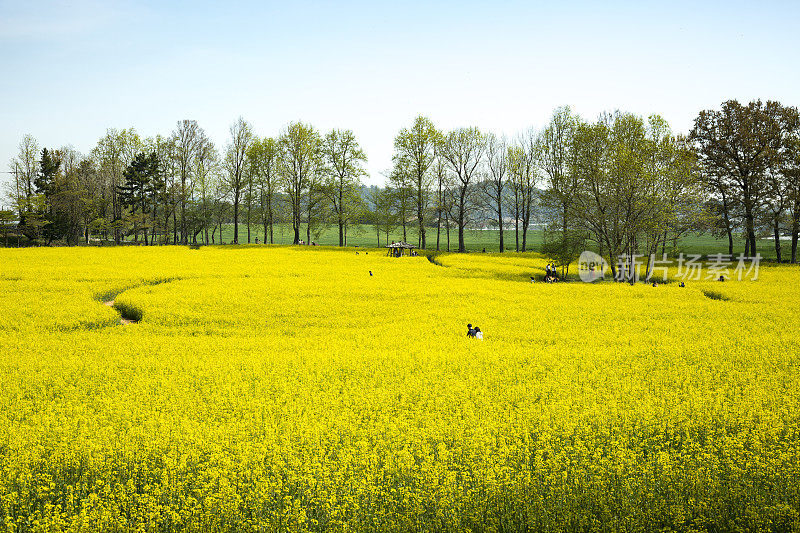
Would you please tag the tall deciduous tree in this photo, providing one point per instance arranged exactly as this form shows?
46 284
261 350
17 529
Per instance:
299 146
264 155
791 169
523 174
112 154
635 183
554 145
206 171
401 184
343 161
416 147
737 144
187 139
382 213
236 167
25 169
442 180
464 149
495 184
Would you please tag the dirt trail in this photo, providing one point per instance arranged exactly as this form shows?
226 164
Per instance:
122 321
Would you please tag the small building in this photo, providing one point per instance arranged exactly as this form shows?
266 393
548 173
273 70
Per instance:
397 249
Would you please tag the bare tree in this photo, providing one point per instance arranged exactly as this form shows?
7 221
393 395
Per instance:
463 149
523 174
494 186
441 178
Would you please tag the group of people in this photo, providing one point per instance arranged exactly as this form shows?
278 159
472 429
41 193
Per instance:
474 333
551 276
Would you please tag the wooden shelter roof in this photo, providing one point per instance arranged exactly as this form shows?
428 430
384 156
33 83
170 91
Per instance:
401 244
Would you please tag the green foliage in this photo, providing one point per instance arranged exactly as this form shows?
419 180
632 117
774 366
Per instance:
564 249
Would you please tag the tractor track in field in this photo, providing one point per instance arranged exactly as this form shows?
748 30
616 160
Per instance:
122 320
128 315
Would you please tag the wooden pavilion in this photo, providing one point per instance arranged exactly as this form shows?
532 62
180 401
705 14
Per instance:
397 249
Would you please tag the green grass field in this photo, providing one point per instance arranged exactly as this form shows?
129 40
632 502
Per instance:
477 240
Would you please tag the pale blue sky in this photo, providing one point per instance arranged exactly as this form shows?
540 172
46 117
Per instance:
72 69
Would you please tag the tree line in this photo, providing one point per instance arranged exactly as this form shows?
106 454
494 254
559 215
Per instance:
181 189
623 184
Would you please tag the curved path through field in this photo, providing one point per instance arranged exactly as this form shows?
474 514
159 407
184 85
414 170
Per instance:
122 320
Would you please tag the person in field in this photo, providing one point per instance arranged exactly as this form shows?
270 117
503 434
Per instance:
470 331
478 333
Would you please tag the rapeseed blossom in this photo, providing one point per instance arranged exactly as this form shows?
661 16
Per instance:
277 388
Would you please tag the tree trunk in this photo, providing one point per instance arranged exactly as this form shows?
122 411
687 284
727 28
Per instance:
776 231
166 222
726 218
500 225
526 217
524 237
235 219
750 225
447 228
795 229
269 219
730 241
421 225
438 222
461 216
516 223
249 205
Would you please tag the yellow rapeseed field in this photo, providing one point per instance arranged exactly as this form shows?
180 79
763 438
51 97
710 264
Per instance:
269 388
